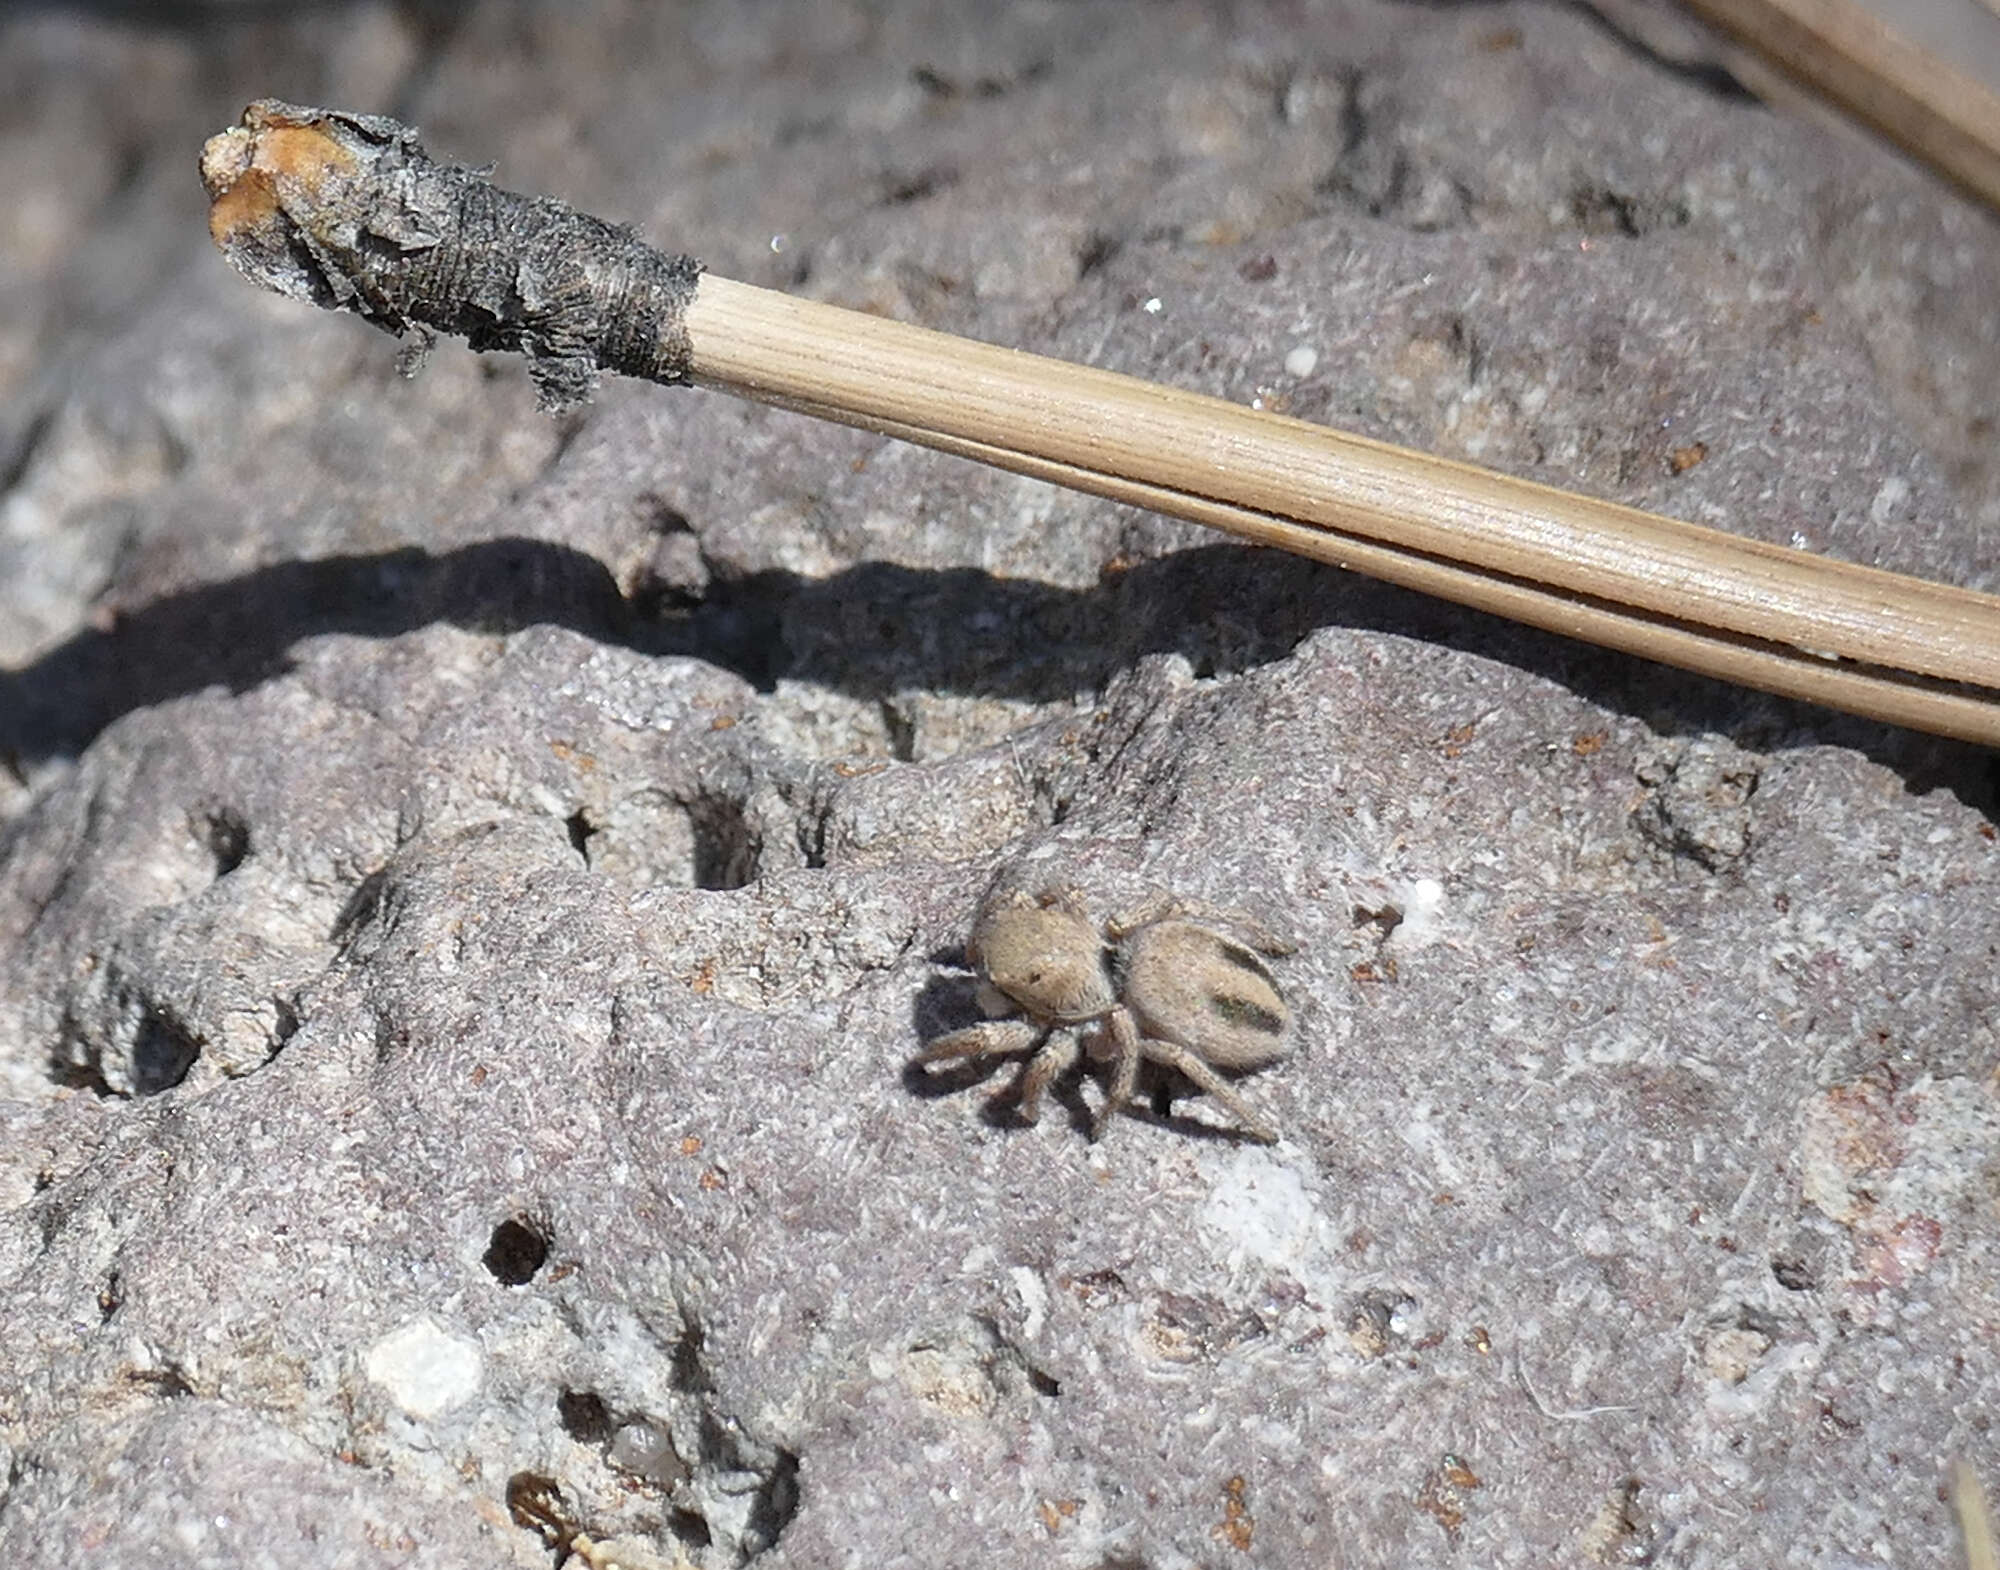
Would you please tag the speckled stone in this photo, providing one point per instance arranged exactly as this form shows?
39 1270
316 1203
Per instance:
471 885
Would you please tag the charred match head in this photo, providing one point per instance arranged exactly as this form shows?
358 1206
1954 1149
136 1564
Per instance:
348 211
285 188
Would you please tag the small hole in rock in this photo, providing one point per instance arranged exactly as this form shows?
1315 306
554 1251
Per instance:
725 850
1097 249
162 1053
227 837
584 1416
773 1505
515 1252
580 830
1794 1275
1388 918
691 1527
690 1373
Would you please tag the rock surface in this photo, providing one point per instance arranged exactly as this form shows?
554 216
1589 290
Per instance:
470 885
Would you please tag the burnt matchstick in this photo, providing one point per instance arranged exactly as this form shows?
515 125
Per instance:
348 211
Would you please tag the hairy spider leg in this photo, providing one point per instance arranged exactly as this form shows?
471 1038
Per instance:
1051 1063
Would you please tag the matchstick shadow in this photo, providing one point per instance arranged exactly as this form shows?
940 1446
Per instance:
878 629
239 632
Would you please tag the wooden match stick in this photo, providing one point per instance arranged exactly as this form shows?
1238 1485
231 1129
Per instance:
1975 1525
1846 51
349 211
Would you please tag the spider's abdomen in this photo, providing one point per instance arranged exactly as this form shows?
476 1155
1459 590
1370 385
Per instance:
1188 984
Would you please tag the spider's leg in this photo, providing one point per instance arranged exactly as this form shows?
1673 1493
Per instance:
1124 1034
1176 1056
1166 907
1065 897
1057 1054
1157 906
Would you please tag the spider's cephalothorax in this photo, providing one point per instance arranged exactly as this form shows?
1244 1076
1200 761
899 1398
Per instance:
1154 986
1043 956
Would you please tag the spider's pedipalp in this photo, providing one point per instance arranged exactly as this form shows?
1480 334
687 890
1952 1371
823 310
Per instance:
988 1038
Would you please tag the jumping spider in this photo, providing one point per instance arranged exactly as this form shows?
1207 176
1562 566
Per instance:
1152 985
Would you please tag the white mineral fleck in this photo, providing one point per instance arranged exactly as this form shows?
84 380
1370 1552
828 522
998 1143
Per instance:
426 1370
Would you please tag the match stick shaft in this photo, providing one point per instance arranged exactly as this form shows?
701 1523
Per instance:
1696 598
1848 52
1871 694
